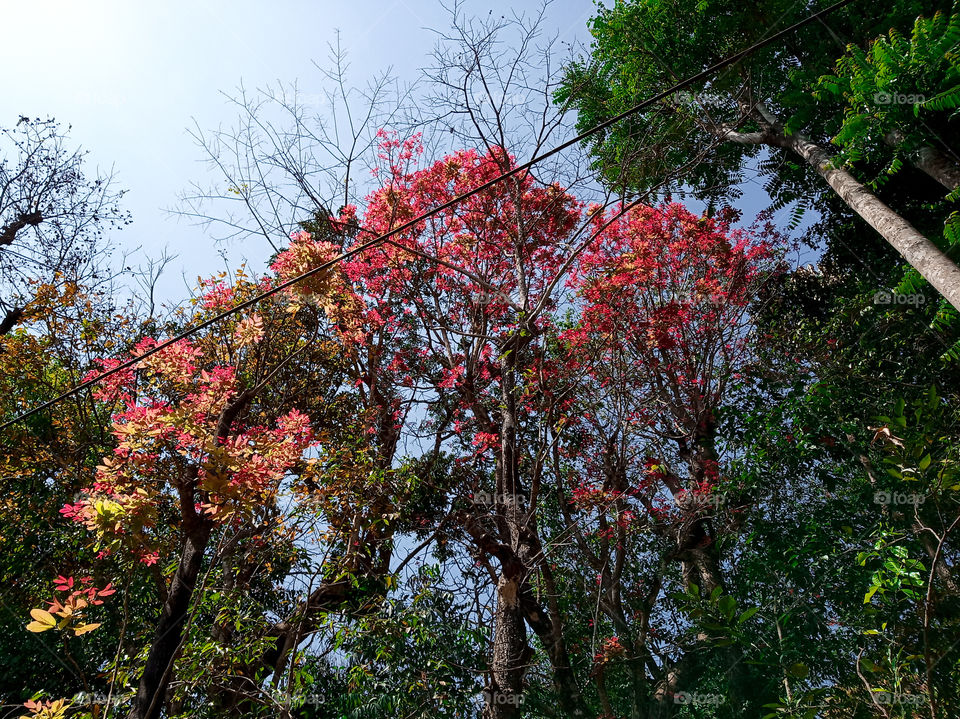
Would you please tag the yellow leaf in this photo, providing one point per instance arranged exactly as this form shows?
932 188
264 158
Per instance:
84 628
44 621
42 615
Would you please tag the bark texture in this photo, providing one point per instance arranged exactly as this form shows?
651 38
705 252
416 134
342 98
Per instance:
922 254
918 250
931 161
156 674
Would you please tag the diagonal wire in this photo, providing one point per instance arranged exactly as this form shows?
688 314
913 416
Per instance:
643 104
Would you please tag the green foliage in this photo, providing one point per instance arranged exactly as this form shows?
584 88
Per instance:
897 94
412 659
640 47
835 490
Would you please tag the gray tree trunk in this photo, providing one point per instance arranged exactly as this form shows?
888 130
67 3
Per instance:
931 161
938 166
924 256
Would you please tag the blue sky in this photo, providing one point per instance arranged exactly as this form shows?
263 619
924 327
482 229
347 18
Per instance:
130 77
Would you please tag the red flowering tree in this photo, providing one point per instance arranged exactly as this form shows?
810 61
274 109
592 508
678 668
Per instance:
453 313
219 442
185 448
565 365
459 315
663 342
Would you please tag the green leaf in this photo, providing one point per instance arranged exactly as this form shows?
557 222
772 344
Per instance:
728 606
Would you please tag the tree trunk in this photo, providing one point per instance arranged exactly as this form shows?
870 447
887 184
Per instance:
156 674
549 630
10 320
924 256
931 161
938 166
504 695
510 651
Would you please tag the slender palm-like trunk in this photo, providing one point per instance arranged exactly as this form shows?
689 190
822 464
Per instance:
940 167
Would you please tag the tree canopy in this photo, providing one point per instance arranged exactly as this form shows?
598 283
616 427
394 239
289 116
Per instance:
580 439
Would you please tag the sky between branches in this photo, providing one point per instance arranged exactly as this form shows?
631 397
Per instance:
132 77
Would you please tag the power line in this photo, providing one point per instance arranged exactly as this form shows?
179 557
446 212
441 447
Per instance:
643 104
